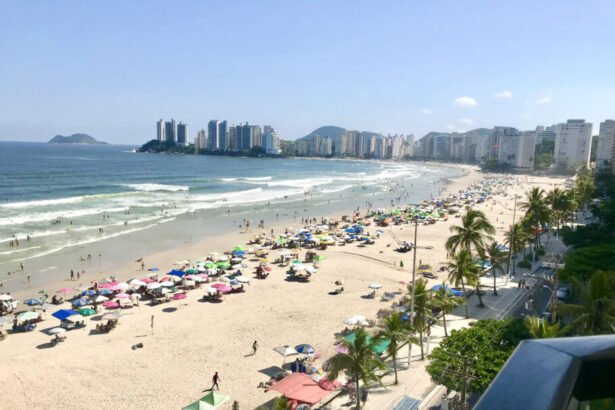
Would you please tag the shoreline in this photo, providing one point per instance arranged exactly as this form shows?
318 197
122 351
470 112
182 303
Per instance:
228 238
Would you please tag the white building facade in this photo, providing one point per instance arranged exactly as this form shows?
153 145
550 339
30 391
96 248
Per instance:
573 141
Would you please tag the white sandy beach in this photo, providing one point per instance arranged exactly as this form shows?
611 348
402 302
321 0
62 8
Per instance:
191 340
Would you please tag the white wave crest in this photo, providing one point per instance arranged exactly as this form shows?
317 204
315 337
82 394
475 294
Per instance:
157 187
42 202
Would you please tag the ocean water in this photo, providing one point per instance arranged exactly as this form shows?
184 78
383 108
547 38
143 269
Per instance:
68 196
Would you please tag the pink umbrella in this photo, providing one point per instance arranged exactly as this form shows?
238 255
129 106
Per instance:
65 291
179 296
147 280
221 287
122 296
108 285
110 304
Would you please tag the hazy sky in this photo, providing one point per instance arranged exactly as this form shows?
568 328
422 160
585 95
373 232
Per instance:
112 68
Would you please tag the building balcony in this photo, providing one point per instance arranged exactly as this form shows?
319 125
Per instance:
561 373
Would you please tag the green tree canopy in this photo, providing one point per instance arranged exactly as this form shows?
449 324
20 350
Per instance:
487 344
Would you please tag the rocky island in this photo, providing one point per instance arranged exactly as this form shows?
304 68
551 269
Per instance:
75 139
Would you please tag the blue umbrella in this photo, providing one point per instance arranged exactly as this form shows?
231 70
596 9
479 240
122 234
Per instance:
238 253
89 292
153 269
33 301
80 302
179 273
305 349
64 313
106 292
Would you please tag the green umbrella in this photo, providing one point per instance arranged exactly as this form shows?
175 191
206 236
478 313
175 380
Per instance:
87 311
210 264
319 258
297 262
239 248
191 271
210 401
223 264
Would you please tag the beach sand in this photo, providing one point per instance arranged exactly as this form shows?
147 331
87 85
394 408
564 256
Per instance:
190 340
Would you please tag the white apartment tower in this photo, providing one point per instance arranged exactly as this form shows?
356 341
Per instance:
160 130
605 156
573 141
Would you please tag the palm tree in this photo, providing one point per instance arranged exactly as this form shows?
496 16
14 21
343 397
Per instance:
422 309
539 328
474 231
444 299
595 313
516 240
557 200
360 362
537 212
461 271
496 258
396 331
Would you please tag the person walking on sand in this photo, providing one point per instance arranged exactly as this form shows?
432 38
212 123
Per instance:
215 381
72 275
254 347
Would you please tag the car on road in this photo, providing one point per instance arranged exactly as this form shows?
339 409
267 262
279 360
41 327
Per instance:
563 293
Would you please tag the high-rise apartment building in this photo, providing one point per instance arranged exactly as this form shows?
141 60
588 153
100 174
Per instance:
170 132
605 156
223 139
160 130
201 140
213 130
182 134
271 142
573 141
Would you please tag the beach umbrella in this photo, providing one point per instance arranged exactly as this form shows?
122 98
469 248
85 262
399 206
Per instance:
191 271
120 286
80 302
223 265
122 296
6 297
33 301
153 285
137 283
240 248
89 292
63 314
167 284
178 273
209 264
111 304
179 296
305 349
87 312
153 269
106 292
374 286
211 291
101 298
112 316
285 350
222 287
356 320
65 291
56 331
242 279
267 268
211 401
29 315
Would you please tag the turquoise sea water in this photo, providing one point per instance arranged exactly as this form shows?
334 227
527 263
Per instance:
64 196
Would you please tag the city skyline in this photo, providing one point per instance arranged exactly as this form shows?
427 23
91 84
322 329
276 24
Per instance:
400 69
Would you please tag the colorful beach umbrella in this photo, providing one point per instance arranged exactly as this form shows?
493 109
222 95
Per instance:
179 296
87 312
33 301
29 315
63 314
305 349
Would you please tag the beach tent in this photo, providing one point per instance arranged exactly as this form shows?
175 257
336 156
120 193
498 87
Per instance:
453 292
300 387
210 401
63 314
379 348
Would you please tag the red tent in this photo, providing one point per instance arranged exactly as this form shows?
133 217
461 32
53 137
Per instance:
300 387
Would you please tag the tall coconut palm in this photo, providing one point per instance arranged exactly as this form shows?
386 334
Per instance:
496 258
595 312
557 199
396 331
463 271
539 328
422 309
361 362
516 239
537 211
472 234
444 299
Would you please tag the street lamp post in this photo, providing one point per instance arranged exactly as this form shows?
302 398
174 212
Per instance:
414 247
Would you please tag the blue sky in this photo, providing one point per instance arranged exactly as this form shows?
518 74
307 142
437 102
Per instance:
112 68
